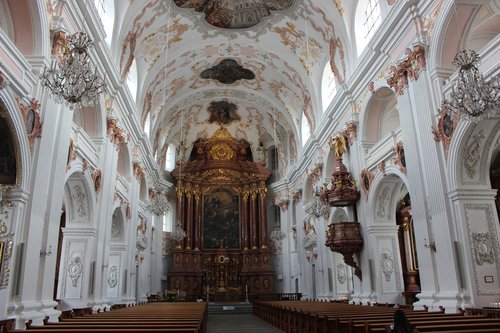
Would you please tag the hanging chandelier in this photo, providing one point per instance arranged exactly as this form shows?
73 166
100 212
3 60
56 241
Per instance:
74 80
318 208
158 203
472 98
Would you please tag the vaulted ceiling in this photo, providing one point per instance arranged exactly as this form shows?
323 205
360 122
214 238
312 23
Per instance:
283 43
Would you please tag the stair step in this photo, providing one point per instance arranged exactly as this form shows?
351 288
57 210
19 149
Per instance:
230 308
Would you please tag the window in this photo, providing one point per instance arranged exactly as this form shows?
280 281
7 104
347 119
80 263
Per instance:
170 160
372 18
368 19
147 124
306 133
328 86
132 80
106 11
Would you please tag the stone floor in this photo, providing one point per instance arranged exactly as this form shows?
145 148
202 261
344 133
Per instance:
239 323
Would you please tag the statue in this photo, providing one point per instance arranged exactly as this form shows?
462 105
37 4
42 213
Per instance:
339 143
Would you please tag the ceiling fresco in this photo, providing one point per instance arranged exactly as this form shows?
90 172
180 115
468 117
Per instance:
222 112
227 71
235 14
271 71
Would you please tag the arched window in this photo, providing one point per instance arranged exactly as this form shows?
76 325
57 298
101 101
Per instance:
170 159
106 11
328 86
147 124
368 19
305 130
132 80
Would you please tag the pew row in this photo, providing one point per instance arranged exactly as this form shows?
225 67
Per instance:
336 317
151 317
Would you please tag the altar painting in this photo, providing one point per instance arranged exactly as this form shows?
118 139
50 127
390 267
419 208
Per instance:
221 220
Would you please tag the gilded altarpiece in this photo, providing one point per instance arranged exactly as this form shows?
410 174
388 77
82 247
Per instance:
221 205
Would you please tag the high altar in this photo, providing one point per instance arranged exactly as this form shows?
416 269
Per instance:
221 205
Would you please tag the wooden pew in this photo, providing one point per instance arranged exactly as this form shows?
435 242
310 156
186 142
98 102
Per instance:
321 317
153 317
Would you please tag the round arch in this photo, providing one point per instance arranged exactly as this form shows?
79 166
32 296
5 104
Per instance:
384 195
22 148
454 27
124 164
379 115
79 188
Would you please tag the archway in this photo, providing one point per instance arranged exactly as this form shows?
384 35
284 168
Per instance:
116 257
75 270
394 271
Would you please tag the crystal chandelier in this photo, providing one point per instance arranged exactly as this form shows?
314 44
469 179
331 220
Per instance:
472 98
74 80
318 207
158 203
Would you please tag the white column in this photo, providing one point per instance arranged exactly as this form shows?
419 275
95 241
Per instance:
108 163
426 170
47 181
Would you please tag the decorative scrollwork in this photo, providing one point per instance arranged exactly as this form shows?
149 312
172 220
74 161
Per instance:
483 248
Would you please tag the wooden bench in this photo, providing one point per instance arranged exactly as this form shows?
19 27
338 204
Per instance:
337 317
152 317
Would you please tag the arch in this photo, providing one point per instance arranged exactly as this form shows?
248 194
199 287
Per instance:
307 192
382 221
384 195
117 225
460 25
79 196
380 115
35 38
9 164
91 120
16 125
123 165
143 190
472 142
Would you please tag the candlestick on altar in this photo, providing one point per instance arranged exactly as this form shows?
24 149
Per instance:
246 292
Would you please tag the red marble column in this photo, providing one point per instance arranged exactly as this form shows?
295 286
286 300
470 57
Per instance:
197 220
180 214
244 219
189 219
253 218
262 218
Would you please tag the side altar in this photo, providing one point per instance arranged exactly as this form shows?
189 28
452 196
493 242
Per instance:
221 205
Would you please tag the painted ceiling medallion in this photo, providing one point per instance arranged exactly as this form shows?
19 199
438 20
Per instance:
234 14
227 71
222 112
